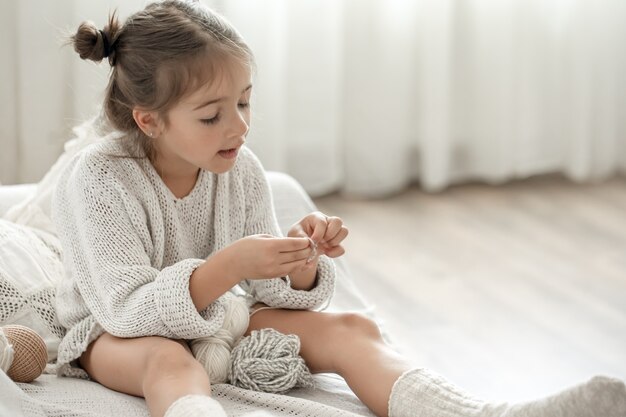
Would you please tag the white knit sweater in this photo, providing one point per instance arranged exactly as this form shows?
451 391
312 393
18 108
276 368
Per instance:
130 247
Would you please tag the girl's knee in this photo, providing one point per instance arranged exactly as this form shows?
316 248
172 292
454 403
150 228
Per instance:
126 364
348 326
167 359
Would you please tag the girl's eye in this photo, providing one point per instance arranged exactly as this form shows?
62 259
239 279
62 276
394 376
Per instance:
216 119
211 121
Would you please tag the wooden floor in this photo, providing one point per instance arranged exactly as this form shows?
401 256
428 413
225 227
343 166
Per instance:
512 292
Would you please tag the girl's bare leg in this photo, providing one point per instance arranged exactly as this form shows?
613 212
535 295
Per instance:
351 346
344 343
159 369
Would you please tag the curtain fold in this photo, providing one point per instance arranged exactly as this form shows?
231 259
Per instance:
367 96
8 96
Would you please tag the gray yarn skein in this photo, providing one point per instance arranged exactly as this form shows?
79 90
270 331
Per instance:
269 361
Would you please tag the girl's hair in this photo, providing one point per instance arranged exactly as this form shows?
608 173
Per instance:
157 56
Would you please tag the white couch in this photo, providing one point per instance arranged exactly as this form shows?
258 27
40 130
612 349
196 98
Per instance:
13 194
64 397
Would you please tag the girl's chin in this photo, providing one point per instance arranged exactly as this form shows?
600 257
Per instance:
220 167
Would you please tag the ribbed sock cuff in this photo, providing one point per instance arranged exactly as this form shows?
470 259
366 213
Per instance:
421 393
195 406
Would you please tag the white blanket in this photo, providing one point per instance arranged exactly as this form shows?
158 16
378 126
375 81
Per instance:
68 397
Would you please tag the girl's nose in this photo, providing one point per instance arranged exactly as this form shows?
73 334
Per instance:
240 125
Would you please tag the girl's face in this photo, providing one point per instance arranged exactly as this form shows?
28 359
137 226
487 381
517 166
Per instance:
207 127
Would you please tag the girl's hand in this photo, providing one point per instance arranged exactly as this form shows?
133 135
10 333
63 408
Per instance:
266 256
326 231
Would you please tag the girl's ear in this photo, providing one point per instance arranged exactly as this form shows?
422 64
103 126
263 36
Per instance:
148 122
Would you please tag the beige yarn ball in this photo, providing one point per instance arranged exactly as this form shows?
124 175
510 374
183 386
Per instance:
29 351
213 352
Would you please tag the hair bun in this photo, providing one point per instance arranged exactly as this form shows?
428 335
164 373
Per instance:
94 44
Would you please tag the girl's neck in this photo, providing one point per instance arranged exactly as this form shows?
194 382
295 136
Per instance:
179 178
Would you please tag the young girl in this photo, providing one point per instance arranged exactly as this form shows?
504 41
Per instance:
158 224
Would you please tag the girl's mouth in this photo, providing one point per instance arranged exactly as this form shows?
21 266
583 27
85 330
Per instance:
229 153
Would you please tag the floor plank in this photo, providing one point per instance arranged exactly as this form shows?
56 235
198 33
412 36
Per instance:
513 292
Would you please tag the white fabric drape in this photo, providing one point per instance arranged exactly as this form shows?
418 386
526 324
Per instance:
367 96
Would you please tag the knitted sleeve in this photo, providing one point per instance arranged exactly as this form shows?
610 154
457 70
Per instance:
261 219
106 245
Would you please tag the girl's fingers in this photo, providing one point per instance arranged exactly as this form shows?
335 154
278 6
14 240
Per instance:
294 256
334 227
289 267
319 230
291 244
338 238
335 252
318 222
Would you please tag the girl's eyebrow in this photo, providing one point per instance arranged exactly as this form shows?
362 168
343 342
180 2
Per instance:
215 100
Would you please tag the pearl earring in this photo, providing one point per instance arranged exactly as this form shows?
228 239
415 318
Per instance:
150 134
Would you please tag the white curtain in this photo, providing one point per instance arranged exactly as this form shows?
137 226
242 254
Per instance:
367 96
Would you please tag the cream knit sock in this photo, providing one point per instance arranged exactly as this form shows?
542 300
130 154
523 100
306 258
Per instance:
202 406
195 406
421 393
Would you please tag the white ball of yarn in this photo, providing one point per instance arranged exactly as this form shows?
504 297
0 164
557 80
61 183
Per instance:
213 352
6 352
